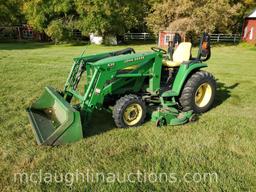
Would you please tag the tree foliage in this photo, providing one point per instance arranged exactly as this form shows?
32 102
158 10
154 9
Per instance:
53 17
110 16
194 15
89 16
57 18
10 13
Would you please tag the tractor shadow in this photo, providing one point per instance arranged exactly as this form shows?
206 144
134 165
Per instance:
100 122
223 93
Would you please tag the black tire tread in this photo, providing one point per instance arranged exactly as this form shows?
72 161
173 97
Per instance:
186 98
121 104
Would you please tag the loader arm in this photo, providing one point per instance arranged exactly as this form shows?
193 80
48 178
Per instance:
79 65
99 73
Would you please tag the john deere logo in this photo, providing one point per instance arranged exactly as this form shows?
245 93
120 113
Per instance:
135 59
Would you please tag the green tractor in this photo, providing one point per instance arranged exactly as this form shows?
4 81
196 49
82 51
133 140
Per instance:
130 85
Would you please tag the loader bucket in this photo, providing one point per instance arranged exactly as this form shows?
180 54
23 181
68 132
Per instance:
54 120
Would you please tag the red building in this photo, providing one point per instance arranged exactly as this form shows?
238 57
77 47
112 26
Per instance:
166 36
249 28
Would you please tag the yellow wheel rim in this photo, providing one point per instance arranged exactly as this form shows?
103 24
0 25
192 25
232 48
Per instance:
203 95
132 114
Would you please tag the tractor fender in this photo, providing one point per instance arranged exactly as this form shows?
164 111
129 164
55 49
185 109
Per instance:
184 72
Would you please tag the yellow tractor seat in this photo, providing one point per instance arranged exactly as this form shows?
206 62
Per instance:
181 54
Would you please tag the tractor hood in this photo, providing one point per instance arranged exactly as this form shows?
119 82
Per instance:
125 58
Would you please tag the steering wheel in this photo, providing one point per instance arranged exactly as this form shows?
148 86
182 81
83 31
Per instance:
157 49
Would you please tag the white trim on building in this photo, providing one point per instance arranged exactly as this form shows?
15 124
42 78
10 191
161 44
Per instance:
253 15
251 33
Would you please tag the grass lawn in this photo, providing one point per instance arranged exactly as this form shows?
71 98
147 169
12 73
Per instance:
222 141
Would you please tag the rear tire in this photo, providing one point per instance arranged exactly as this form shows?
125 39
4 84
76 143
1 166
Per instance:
199 92
129 111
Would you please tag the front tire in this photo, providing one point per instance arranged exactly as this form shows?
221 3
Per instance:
199 92
129 111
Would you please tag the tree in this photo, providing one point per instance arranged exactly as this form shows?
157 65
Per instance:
58 18
247 7
55 17
10 13
103 17
194 15
109 17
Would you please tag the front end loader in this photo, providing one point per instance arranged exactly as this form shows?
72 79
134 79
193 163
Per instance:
130 85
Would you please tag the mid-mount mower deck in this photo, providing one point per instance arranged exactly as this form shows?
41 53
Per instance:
131 85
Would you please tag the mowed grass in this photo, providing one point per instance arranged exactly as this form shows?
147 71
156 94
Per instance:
222 141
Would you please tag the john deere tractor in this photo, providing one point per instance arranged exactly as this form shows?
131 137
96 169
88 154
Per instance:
130 85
